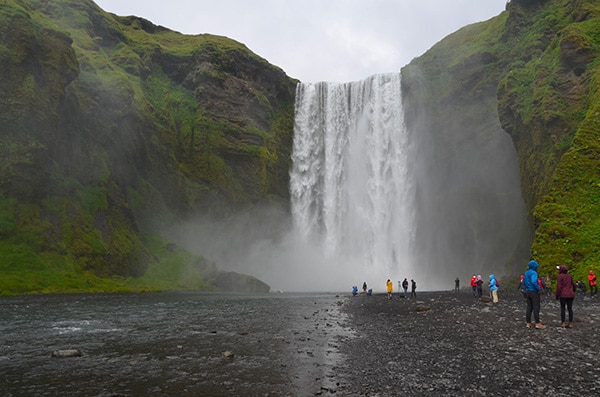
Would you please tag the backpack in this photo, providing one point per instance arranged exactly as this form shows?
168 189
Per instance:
497 283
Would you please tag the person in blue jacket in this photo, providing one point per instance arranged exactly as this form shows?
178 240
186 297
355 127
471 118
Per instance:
493 288
532 291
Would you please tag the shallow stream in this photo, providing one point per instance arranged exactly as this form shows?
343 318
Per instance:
171 344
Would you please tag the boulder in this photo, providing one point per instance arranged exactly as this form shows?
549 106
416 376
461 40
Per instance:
240 283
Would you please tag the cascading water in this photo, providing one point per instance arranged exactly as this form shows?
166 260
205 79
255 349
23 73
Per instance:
350 188
371 201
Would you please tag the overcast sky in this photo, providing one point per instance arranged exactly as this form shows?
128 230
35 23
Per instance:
320 40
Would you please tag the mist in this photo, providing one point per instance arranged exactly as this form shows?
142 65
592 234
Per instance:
372 199
263 243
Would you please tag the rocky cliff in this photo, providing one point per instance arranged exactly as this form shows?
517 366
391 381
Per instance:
531 72
113 127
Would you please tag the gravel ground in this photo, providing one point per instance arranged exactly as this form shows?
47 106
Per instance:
463 346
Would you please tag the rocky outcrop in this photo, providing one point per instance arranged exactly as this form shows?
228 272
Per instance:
240 283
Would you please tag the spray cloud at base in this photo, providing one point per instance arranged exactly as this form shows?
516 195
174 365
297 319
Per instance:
372 200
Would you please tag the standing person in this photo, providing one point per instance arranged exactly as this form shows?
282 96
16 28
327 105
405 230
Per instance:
457 285
365 287
493 288
479 286
580 288
390 286
542 283
565 291
532 289
592 282
548 284
521 286
474 284
405 287
413 288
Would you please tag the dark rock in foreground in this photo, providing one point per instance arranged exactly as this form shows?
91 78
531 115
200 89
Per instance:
463 346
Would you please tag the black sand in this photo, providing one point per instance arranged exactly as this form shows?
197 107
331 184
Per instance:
463 346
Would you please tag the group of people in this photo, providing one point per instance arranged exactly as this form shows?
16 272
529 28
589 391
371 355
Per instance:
404 285
566 288
390 288
366 291
477 286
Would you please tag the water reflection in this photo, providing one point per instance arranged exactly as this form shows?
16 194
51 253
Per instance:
170 344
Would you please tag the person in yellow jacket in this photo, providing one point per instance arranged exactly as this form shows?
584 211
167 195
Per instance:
390 286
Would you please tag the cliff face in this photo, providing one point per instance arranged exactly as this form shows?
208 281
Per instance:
112 126
530 72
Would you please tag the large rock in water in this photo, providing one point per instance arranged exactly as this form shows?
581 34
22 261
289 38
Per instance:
236 282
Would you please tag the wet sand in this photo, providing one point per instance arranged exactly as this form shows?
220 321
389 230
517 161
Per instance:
463 346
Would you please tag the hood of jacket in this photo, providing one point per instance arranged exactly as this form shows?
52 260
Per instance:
563 269
533 265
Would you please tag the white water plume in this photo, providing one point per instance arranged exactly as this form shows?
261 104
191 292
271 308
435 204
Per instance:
371 200
350 188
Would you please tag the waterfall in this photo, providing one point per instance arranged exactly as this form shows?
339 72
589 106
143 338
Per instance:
349 183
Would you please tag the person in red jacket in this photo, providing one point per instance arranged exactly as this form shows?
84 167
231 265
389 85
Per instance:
565 291
474 284
592 281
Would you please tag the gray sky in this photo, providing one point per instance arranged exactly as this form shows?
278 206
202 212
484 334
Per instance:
320 40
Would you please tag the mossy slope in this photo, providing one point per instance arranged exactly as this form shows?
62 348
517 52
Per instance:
112 126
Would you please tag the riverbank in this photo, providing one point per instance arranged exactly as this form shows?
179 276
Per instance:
297 345
462 346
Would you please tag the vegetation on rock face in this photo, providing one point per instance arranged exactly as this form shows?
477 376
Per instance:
111 127
539 59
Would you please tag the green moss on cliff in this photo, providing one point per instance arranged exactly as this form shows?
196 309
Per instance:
540 61
553 101
111 125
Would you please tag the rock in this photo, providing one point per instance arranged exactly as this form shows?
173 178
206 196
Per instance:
422 308
486 299
228 355
240 283
66 353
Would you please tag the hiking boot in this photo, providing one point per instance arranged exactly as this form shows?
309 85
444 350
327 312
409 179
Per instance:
570 325
563 324
540 326
528 325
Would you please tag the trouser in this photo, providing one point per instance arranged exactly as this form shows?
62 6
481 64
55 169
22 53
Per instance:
406 292
474 289
533 305
568 302
495 296
593 290
479 292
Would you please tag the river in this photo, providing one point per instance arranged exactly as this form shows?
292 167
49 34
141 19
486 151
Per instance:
171 344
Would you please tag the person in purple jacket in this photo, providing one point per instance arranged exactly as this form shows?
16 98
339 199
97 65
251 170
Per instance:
565 291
